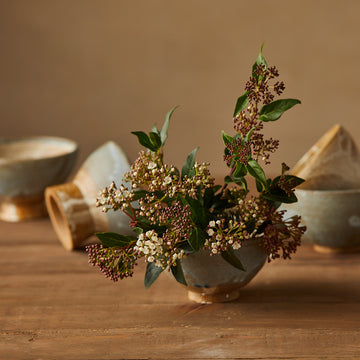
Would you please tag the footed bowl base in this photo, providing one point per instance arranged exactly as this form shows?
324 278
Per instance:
335 250
214 295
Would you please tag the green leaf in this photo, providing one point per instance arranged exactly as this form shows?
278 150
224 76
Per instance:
280 197
257 172
237 180
226 138
155 129
197 238
240 170
241 104
209 197
260 60
155 140
232 259
242 182
144 140
146 225
197 211
178 273
259 186
151 274
164 129
274 110
188 167
296 180
138 230
111 239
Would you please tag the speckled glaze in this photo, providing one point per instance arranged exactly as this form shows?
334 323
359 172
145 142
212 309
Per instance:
27 166
332 218
72 206
329 199
211 279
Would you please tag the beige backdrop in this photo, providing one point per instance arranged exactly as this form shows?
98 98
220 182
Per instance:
96 70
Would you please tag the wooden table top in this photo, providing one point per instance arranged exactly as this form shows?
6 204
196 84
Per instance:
53 305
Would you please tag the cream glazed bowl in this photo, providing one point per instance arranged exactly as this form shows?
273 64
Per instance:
27 166
332 218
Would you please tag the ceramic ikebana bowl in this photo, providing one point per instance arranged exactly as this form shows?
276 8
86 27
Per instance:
213 238
211 279
27 166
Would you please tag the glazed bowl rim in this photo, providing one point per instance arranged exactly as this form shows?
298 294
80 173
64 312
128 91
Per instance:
330 192
73 148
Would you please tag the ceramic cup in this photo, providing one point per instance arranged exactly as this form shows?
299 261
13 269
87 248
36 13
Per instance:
27 166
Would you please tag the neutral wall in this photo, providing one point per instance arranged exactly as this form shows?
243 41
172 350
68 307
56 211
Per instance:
96 70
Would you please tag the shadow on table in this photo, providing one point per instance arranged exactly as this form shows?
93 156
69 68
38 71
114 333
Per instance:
321 291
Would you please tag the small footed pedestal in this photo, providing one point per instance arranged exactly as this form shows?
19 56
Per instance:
336 250
211 279
214 295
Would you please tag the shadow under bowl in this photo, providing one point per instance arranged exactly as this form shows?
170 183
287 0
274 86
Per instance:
27 166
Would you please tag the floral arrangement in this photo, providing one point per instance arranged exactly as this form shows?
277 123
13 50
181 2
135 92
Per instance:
175 213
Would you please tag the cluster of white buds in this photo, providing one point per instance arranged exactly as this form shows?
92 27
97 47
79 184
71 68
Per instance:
150 245
149 172
202 178
223 234
114 198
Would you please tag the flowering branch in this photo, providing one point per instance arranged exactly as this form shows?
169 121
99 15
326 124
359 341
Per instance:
177 213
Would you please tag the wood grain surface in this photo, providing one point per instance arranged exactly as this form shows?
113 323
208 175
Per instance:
53 305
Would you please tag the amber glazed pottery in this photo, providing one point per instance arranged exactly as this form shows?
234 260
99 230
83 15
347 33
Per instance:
27 166
211 279
329 200
72 206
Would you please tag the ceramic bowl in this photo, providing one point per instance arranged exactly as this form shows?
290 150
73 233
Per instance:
332 218
27 166
211 279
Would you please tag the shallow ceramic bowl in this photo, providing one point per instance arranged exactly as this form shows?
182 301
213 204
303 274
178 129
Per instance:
332 218
211 279
27 166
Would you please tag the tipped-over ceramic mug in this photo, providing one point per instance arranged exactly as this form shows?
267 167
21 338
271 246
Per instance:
72 206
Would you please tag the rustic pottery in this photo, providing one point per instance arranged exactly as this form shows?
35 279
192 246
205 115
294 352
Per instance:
329 200
27 166
211 279
332 218
213 238
71 206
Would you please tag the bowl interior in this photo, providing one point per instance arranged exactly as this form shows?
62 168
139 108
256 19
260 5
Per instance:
34 148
